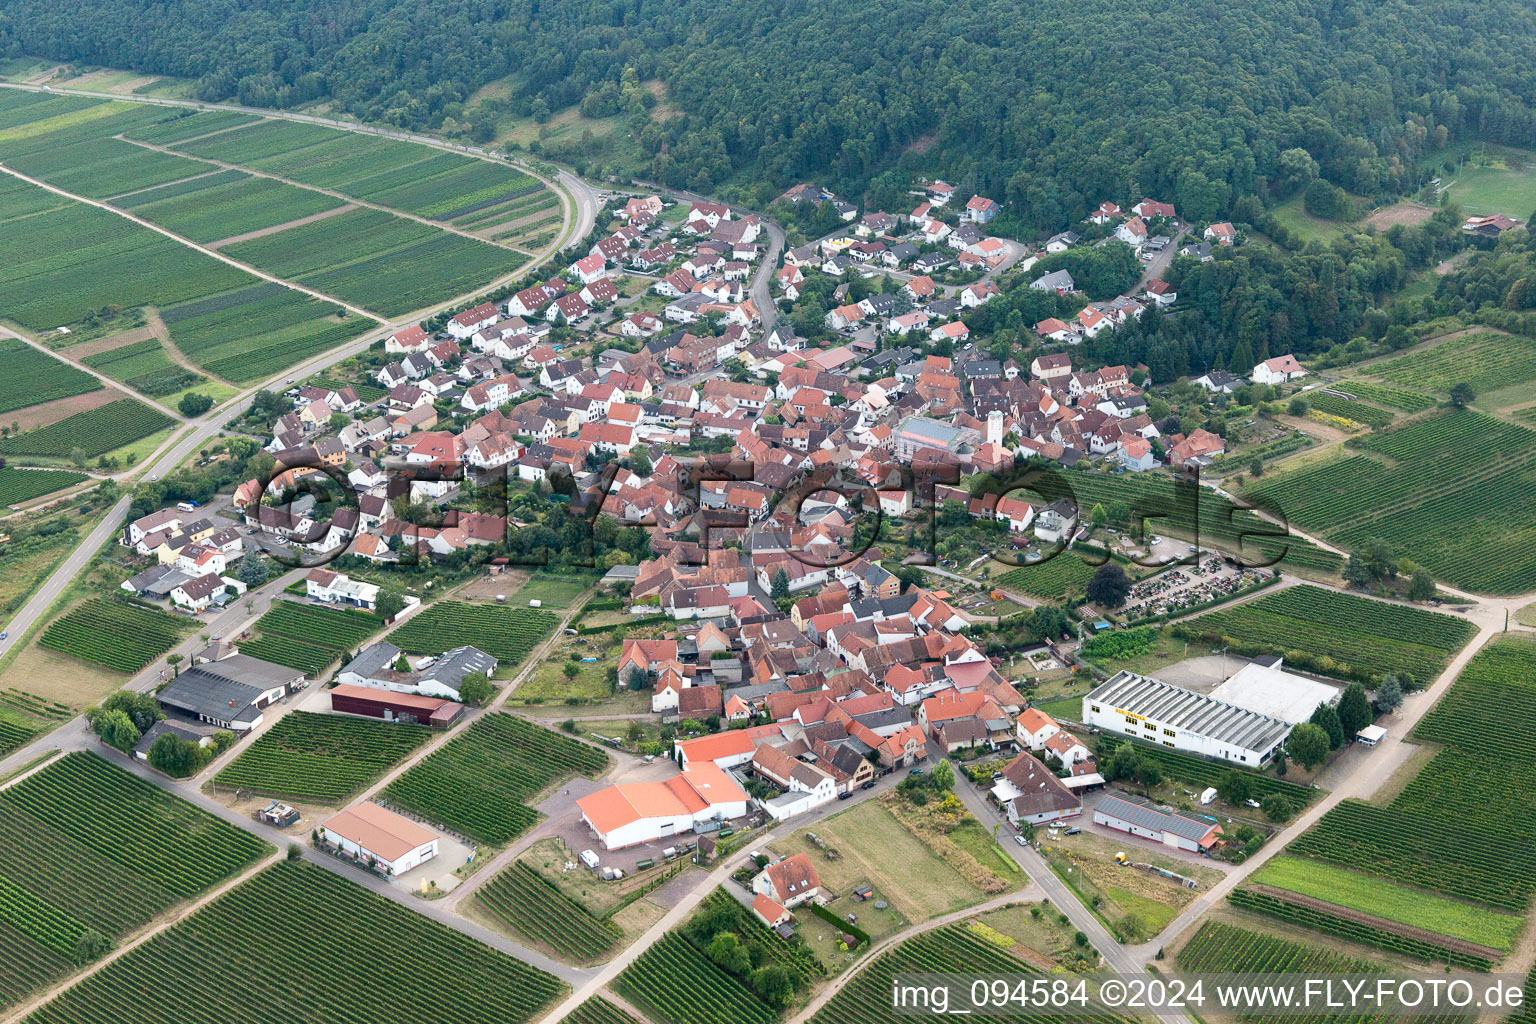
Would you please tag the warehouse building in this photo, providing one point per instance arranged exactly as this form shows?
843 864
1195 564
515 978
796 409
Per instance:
395 843
1157 712
628 814
1137 817
1263 685
230 693
394 707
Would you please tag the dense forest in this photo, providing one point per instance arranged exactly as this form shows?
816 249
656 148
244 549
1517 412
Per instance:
1049 106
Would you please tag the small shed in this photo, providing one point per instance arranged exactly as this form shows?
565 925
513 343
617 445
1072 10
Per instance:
1371 735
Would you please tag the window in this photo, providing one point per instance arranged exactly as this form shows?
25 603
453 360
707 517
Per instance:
1168 732
1131 721
1093 707
1167 743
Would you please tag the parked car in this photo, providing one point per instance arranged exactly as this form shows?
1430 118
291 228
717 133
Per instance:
1021 840
1073 832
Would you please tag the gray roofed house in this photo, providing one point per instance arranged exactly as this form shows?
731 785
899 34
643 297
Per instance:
142 582
372 661
944 308
199 734
1055 281
440 677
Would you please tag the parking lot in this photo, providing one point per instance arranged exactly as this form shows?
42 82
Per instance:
1185 585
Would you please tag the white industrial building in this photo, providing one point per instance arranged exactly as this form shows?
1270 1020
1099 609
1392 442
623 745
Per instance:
628 814
1264 686
1157 712
397 844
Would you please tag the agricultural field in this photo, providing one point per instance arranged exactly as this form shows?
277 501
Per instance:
552 591
377 261
251 333
92 850
1360 412
114 634
103 167
29 377
1365 929
307 637
163 193
1497 179
1184 509
320 758
1220 948
1456 493
16 731
1057 578
1484 724
1386 394
598 1010
1395 902
539 912
477 783
1361 638
186 125
19 485
145 367
952 949
92 433
720 911
674 983
225 209
319 933
1487 360
72 260
505 633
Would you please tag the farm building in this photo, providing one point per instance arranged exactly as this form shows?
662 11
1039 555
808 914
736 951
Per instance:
628 814
229 693
397 844
395 707
1264 686
1158 712
1137 817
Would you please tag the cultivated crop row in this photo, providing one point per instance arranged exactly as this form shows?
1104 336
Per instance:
113 634
536 909
106 167
185 125
798 960
1487 361
598 1010
308 638
235 208
1055 578
1358 931
1360 412
13 734
29 377
476 784
676 984
1458 495
867 997
341 952
1364 638
1386 394
18 485
506 634
321 758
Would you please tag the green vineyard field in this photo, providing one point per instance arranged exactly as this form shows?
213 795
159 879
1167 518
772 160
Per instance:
114 635
506 634
320 758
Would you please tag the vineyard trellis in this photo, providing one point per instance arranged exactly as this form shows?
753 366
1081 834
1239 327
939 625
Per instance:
308 638
506 634
536 909
113 634
321 758
676 984
339 951
476 783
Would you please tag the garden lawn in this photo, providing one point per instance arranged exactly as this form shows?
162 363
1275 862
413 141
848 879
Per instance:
1394 902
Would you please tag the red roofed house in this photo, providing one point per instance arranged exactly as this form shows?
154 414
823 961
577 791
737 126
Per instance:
1150 208
769 912
408 341
790 882
980 209
1277 370
589 268
471 320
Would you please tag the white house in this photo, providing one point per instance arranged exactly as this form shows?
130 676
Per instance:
335 588
1277 370
1034 727
369 832
790 882
1139 818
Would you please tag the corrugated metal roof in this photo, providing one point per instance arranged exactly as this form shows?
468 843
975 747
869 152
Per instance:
1149 817
1193 712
